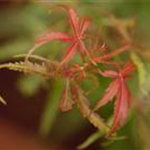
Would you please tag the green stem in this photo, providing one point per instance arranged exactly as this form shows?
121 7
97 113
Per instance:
95 136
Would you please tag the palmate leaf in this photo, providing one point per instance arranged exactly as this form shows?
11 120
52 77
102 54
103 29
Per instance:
121 108
79 27
117 89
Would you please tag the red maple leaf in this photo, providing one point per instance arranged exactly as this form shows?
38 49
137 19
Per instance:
79 26
117 88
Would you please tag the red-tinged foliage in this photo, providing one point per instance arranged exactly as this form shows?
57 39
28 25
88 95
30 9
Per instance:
79 26
106 57
76 73
118 89
53 36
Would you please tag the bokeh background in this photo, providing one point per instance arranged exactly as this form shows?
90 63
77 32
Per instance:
21 21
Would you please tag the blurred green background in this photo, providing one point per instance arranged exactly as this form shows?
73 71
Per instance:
27 96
